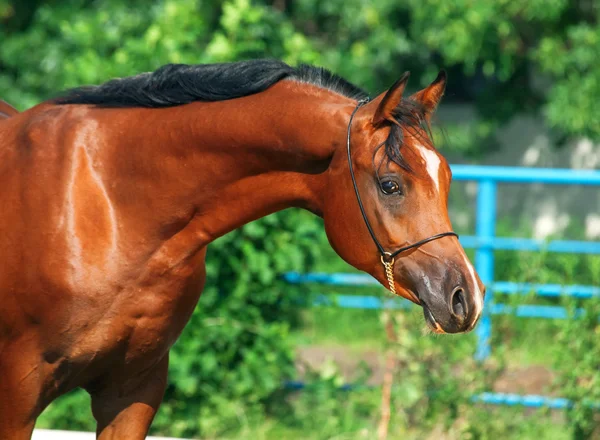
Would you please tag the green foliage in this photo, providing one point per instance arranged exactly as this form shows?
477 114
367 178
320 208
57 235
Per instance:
235 352
112 38
325 409
504 56
571 59
577 362
436 375
433 382
73 411
538 53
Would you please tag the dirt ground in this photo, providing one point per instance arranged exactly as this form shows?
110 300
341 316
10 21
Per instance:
524 380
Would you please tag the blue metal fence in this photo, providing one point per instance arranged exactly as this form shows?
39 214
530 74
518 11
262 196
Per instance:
485 243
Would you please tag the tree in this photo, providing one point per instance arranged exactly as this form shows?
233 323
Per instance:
507 57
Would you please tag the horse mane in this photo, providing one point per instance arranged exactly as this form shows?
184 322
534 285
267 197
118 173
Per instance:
179 84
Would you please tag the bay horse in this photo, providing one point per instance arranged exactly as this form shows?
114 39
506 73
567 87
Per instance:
112 194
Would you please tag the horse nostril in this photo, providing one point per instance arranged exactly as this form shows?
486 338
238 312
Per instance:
458 304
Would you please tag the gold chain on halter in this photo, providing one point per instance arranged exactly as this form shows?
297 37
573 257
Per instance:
389 272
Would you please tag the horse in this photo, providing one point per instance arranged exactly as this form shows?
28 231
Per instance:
112 194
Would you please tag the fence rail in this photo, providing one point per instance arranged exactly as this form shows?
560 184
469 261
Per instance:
485 242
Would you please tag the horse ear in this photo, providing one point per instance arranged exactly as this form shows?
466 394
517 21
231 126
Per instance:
386 103
430 96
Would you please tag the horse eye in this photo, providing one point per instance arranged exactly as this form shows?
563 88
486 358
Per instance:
390 187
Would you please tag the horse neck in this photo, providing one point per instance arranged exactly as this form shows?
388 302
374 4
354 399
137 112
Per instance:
243 159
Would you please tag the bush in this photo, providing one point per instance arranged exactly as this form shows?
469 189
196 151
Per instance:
235 351
434 381
576 359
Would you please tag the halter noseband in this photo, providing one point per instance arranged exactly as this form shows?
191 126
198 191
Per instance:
387 258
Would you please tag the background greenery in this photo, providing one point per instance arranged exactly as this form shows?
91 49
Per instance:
506 57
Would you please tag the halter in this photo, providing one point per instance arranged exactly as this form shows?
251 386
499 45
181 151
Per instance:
387 258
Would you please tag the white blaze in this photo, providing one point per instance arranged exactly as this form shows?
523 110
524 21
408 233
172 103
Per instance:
432 161
477 293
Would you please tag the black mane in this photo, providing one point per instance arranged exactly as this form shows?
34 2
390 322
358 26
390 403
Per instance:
177 84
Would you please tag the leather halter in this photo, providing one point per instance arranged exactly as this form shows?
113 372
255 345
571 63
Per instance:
387 258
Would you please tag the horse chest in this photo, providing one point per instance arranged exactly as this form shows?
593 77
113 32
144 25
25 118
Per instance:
156 321
152 319
138 326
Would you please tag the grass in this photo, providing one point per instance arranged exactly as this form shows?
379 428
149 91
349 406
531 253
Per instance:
526 340
355 329
518 342
534 425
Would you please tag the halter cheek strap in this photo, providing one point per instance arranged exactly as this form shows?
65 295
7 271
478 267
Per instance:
387 258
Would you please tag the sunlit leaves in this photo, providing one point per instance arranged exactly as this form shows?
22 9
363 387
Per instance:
572 62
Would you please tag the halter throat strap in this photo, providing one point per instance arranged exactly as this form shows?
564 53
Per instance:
387 258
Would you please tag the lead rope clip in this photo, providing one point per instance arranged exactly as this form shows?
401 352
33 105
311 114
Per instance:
389 271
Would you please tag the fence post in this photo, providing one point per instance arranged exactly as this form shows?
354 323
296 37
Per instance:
485 229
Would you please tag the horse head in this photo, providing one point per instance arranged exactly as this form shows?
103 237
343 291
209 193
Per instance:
387 210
